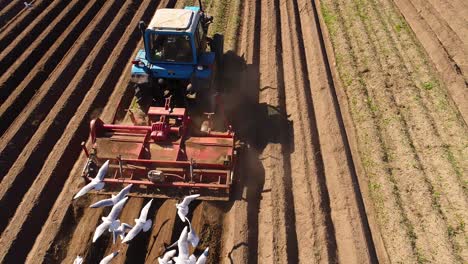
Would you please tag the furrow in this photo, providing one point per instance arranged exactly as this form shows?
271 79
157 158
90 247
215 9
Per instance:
273 230
9 11
311 200
103 87
31 84
41 94
240 82
38 148
24 55
445 34
11 30
29 127
347 208
455 18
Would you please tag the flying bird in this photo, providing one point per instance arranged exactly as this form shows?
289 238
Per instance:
166 259
182 208
141 223
192 259
114 199
78 260
121 231
182 245
203 257
27 5
108 258
96 183
110 222
192 237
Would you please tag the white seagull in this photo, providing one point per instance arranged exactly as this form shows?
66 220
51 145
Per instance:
192 236
141 223
78 260
166 259
182 245
192 259
182 208
114 199
110 222
108 258
27 5
121 231
203 257
96 183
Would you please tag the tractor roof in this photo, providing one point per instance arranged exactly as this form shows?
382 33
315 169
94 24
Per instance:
173 19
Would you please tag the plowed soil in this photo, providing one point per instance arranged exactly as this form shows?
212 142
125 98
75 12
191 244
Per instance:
352 114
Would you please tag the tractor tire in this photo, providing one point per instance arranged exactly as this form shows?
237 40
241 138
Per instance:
217 46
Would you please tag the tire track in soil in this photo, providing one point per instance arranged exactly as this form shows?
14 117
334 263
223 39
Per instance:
24 55
131 37
12 30
277 241
64 154
45 92
13 183
31 83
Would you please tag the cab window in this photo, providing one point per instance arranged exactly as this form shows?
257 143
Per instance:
170 48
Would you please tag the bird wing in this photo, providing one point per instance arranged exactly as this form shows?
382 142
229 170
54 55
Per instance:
202 259
188 199
78 260
168 255
192 236
182 212
108 258
114 213
126 226
103 203
132 233
102 171
182 244
192 259
144 211
88 187
124 191
100 230
115 233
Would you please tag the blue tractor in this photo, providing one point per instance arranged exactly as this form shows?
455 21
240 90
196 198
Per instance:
179 61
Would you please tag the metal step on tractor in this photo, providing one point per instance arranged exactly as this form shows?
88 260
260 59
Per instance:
184 144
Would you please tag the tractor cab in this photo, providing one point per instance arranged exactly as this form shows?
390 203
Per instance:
176 60
175 36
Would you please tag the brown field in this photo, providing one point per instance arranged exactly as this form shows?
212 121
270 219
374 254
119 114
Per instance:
353 114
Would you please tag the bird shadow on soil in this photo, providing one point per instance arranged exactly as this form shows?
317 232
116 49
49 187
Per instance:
256 125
